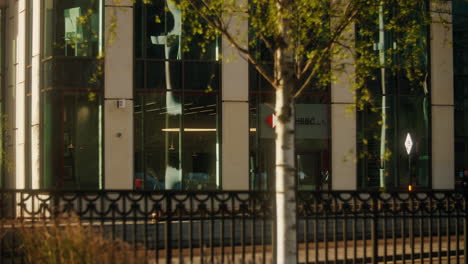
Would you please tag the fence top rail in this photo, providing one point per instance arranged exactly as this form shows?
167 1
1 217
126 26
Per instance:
350 192
167 204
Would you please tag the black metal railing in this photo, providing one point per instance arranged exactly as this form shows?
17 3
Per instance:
351 227
238 227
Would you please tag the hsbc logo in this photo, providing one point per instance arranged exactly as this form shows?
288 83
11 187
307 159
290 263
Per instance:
311 121
272 120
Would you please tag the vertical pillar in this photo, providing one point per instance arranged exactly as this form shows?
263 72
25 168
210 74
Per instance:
10 94
442 103
118 74
235 110
20 95
35 95
343 123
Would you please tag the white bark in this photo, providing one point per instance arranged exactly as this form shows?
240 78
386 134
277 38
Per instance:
286 233
286 244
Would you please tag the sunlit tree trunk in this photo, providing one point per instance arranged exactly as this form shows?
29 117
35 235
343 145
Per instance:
285 165
286 241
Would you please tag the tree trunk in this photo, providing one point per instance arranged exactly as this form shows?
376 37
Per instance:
286 244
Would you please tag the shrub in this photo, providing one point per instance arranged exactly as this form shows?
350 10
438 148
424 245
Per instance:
67 240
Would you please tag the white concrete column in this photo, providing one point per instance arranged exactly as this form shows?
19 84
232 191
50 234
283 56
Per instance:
235 107
20 94
443 152
343 121
443 156
343 142
118 74
35 95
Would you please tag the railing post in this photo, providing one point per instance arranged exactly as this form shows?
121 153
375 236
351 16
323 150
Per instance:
465 231
273 228
168 233
374 237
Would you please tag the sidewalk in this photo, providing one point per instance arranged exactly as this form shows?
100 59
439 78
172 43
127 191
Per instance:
354 252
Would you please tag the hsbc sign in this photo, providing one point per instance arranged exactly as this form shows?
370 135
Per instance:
311 121
272 120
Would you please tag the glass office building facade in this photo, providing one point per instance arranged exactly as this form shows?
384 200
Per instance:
460 55
176 103
394 126
152 111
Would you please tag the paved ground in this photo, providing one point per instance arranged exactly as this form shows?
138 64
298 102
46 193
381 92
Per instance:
336 252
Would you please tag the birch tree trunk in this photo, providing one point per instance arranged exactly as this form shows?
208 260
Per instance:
285 179
286 249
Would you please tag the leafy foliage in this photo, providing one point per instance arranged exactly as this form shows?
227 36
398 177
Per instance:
319 34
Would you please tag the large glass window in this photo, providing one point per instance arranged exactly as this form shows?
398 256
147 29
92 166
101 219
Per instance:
312 136
394 125
460 57
176 103
71 94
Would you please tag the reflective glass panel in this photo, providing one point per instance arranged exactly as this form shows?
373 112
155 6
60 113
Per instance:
71 103
176 145
165 75
158 118
72 149
73 28
262 143
376 140
413 141
398 113
72 73
202 76
460 57
201 153
312 140
160 34
176 110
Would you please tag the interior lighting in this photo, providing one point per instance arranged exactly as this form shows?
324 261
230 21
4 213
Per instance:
189 129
